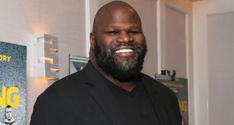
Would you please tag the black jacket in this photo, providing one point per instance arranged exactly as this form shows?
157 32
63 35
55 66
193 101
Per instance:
82 99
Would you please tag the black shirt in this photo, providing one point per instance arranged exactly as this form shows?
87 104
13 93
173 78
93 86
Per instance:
135 106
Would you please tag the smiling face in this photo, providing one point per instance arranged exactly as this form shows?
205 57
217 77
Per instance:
118 41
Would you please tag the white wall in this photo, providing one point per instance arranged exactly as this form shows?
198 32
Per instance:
220 68
65 19
175 42
174 27
203 87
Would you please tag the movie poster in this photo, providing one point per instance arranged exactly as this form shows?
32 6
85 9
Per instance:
12 84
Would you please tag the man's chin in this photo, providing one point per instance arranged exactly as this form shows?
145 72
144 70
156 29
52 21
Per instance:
125 76
126 71
125 65
124 60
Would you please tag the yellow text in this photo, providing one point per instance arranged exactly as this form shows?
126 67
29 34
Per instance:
5 58
183 105
9 96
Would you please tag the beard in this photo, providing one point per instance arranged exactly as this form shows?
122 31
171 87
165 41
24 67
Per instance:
121 68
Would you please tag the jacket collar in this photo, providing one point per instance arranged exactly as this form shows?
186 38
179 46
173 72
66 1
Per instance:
101 94
153 95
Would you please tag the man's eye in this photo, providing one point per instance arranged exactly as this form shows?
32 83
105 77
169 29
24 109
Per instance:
112 32
134 32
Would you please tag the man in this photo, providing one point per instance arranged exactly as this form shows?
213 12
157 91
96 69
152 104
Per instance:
110 90
9 120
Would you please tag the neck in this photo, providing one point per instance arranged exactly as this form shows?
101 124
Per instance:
126 85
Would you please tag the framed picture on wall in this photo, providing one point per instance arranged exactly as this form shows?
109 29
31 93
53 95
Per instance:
77 63
12 84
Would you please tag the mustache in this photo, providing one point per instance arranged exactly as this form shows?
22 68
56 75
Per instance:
119 44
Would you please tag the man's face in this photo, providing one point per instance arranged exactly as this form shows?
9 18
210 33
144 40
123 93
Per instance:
8 113
120 45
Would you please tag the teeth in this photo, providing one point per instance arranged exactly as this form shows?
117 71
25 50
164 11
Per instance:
124 50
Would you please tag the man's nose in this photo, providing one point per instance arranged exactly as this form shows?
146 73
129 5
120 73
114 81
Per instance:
124 37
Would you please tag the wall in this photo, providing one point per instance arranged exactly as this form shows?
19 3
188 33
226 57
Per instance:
220 67
176 44
65 19
212 103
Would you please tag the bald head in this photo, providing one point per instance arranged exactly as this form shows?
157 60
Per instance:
113 11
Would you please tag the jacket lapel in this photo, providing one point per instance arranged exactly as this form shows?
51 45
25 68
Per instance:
154 97
101 93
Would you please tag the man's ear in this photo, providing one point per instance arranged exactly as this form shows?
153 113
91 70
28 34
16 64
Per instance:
92 40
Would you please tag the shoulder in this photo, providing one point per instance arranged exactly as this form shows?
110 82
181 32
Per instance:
163 96
67 85
155 84
73 82
70 80
72 86
67 89
158 89
64 93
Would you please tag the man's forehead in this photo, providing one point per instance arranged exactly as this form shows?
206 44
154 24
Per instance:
112 13
115 11
120 27
116 5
